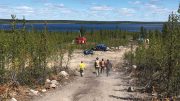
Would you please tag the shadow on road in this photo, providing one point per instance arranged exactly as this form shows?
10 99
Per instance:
126 98
120 90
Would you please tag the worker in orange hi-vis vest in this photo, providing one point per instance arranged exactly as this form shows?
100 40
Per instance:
102 63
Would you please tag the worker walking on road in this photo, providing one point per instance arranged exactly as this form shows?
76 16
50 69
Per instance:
82 66
102 63
108 67
97 66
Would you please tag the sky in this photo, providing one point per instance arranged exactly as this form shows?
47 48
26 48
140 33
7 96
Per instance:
91 10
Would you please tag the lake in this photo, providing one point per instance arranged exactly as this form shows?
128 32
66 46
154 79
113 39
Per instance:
76 27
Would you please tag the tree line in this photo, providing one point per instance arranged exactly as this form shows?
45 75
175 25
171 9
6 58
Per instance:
159 61
24 54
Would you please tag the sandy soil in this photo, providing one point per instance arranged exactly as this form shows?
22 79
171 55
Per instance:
92 88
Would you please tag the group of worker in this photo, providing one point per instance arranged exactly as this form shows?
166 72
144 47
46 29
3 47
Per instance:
100 67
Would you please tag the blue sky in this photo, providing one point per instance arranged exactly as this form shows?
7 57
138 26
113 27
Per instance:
100 10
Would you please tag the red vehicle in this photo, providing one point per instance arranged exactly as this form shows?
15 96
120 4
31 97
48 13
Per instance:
81 40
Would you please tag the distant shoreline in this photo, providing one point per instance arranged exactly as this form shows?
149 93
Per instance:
8 21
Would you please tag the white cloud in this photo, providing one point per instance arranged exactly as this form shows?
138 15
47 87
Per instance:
56 8
154 1
127 11
135 2
20 11
101 8
137 10
3 8
41 0
50 5
156 9
24 9
66 11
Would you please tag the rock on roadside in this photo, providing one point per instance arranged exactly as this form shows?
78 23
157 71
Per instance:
63 74
12 99
130 89
34 92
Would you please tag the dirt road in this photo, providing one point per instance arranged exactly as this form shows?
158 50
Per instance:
92 88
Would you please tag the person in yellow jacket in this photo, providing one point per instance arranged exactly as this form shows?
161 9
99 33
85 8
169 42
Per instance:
82 66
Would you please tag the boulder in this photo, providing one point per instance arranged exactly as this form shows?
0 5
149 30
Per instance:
54 82
120 47
13 99
63 73
48 81
130 89
43 90
108 49
134 66
34 92
53 86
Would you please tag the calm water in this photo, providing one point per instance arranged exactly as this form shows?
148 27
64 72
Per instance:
76 27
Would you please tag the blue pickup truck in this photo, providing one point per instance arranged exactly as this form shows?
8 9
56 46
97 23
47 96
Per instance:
100 47
88 51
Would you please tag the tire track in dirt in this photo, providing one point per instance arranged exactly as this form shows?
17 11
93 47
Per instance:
91 84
